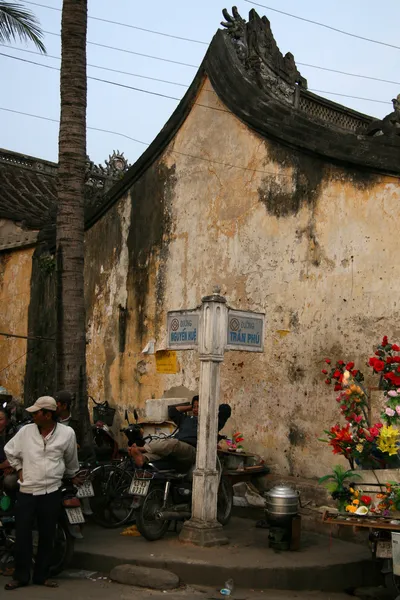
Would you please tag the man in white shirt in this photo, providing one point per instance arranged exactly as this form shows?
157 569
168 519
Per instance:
42 453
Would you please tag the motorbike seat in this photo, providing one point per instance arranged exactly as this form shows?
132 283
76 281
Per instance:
172 468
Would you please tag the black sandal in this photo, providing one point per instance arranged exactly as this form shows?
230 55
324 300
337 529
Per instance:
48 583
14 585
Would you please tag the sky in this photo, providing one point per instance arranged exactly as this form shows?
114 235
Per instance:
35 90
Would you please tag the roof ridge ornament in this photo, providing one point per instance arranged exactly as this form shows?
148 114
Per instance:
389 125
257 49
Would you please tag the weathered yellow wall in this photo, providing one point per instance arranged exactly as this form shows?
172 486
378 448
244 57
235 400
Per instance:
311 244
15 280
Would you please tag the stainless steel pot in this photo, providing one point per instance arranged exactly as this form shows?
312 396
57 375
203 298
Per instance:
282 502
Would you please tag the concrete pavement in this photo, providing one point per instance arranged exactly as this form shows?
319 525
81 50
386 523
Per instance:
103 589
321 564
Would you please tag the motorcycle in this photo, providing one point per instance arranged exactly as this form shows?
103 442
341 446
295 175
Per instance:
105 445
162 493
68 529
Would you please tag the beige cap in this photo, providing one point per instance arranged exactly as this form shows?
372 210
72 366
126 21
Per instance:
46 402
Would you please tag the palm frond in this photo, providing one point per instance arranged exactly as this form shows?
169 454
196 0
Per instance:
17 22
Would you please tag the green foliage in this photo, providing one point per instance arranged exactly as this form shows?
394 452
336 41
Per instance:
335 480
17 22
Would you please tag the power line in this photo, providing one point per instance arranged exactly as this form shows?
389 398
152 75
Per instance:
358 75
169 35
201 158
205 43
175 62
354 35
25 337
136 89
331 71
18 112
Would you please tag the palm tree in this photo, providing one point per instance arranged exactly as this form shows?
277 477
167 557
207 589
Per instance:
71 323
17 22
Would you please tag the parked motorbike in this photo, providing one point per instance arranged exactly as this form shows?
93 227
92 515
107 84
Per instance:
105 444
162 493
381 545
69 527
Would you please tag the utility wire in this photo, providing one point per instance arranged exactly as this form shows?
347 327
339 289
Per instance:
206 43
136 89
169 35
26 337
175 62
19 358
25 114
212 161
354 35
184 85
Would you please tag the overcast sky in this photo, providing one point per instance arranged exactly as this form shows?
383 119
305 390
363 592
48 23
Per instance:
35 90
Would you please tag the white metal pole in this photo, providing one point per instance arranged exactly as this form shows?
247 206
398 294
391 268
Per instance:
203 528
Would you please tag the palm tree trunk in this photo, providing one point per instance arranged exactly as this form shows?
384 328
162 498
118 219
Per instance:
71 336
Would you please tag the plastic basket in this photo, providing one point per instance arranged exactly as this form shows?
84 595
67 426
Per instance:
105 414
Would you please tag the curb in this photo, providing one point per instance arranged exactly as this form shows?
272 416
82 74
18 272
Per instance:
332 578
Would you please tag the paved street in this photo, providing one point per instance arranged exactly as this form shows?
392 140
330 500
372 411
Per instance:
103 589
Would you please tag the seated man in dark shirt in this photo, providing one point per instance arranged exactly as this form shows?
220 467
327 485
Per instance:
182 445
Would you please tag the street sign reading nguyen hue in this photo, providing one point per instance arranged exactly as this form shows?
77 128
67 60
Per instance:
183 329
245 331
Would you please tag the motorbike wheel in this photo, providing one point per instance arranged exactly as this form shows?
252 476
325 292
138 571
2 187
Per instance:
63 551
225 501
392 583
112 503
149 526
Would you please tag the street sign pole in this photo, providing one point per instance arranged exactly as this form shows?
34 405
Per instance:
203 528
212 329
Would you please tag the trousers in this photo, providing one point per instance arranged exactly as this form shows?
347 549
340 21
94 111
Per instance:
43 510
173 448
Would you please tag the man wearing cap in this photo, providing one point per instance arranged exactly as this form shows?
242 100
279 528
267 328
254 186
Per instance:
42 453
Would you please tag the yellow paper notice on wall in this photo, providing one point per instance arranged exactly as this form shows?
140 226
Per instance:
167 362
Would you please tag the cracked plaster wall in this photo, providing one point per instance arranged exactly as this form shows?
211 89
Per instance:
312 244
15 276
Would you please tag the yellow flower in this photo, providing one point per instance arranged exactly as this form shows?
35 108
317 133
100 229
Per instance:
356 502
351 490
356 493
351 509
359 447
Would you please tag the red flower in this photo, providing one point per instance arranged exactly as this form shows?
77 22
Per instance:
337 374
396 359
327 381
339 387
374 431
354 373
340 362
385 340
324 371
372 361
328 361
358 418
379 365
366 500
344 407
378 425
378 352
396 348
349 366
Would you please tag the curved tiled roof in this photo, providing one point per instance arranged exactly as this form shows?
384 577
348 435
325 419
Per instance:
266 91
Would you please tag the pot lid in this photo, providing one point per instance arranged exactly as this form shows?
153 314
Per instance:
282 491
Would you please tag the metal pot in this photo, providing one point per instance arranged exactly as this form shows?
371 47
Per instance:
282 502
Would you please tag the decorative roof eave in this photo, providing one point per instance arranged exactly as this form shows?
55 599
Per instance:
19 240
272 117
287 124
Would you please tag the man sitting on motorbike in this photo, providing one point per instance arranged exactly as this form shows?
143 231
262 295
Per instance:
182 445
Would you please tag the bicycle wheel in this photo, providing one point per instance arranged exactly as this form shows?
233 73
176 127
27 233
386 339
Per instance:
112 504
